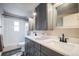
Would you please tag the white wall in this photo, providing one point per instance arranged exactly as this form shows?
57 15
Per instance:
12 37
0 24
71 21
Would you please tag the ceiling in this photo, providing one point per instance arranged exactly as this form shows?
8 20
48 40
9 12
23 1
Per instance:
20 9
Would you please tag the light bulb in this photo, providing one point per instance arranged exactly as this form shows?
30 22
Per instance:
34 14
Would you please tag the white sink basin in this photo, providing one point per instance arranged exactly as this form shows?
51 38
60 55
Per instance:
63 46
48 38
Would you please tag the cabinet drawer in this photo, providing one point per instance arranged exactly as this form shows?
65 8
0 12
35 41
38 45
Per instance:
49 52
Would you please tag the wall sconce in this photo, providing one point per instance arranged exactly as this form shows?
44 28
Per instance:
34 14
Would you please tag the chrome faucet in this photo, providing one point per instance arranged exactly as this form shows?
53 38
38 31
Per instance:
63 39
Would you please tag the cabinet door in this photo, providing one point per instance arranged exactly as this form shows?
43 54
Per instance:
42 54
36 52
27 46
34 48
41 17
31 48
37 46
37 49
49 52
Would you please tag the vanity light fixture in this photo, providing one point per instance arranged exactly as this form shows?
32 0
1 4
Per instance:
58 4
34 14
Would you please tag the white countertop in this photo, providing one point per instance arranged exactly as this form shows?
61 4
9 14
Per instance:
52 42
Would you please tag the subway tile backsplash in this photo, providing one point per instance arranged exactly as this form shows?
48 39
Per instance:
71 33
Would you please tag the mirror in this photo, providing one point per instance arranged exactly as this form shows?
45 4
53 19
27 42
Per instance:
68 15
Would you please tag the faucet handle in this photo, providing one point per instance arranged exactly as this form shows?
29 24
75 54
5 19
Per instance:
60 39
66 39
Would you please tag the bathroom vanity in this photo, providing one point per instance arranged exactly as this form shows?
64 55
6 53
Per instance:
46 46
33 48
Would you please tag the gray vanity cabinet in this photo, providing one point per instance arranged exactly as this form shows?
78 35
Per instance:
41 17
27 46
32 48
48 52
36 52
26 49
35 49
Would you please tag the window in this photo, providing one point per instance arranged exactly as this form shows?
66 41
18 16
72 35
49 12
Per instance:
26 26
16 26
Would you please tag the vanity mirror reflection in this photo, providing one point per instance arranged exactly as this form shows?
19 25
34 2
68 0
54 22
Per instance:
68 15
